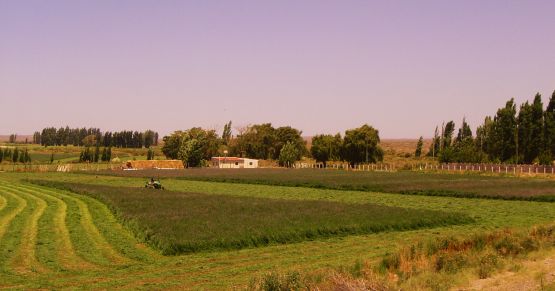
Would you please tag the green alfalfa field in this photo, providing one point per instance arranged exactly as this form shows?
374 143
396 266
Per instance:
85 231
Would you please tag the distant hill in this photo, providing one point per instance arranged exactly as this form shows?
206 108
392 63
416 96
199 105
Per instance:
20 138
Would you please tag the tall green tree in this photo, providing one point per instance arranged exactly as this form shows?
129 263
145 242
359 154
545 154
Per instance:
172 144
465 132
226 134
537 129
104 156
549 129
524 137
257 141
36 138
463 149
447 137
287 134
193 146
326 147
7 154
24 157
361 145
150 154
419 145
96 155
15 155
85 155
289 154
434 147
148 137
503 145
483 136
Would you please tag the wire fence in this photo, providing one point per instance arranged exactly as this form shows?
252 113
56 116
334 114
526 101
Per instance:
380 167
450 167
490 168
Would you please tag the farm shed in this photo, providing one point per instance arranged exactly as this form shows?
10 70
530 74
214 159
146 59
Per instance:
153 164
233 163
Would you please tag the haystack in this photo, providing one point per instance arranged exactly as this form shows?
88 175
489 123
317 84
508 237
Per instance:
153 164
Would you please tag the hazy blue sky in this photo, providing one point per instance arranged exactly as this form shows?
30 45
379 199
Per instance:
321 66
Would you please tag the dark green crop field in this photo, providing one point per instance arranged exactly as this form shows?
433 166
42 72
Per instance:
431 184
179 222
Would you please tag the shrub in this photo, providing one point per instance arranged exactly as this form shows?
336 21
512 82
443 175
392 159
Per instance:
488 264
450 262
278 282
508 245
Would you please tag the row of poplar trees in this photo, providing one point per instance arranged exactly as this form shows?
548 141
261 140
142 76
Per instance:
15 156
94 137
522 136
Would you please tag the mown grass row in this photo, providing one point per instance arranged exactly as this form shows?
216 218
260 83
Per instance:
45 233
411 183
177 222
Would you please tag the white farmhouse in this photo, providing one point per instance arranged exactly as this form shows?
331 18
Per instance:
233 163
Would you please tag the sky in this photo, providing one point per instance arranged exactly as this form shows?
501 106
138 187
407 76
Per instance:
319 66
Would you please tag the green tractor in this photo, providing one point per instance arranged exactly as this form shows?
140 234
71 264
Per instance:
154 184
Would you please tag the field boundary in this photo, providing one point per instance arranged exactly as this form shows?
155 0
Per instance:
504 169
60 167
362 188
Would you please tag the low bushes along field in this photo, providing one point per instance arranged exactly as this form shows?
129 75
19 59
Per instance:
177 222
414 183
425 265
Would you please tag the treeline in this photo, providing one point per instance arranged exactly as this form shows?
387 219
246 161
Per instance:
15 156
94 137
196 146
285 144
359 145
522 136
